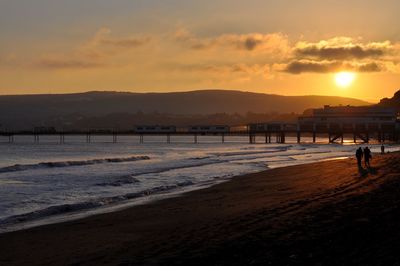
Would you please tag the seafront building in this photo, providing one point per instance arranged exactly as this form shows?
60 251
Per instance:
362 122
354 118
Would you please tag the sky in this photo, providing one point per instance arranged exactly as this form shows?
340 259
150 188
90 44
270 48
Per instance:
282 47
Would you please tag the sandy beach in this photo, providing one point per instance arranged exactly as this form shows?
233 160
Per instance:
326 213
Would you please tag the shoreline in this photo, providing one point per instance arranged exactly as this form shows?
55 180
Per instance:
128 203
114 207
296 214
48 211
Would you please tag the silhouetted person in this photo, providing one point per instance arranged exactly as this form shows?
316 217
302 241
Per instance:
367 156
359 155
382 149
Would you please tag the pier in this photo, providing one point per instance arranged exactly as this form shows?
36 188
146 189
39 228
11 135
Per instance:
333 123
334 133
268 132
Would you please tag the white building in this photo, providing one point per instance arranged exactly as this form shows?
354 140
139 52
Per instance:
349 118
209 129
154 129
272 126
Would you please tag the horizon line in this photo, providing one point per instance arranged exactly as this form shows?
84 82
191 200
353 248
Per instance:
371 101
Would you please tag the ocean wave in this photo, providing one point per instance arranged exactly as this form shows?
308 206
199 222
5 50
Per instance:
227 158
200 158
227 154
84 206
123 180
24 167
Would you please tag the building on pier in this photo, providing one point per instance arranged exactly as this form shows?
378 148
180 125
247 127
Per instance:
335 122
43 130
271 127
209 129
154 129
349 118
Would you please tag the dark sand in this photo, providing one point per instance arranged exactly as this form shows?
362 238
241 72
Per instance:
324 213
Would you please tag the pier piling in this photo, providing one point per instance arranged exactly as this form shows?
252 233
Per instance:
36 138
252 138
62 138
88 138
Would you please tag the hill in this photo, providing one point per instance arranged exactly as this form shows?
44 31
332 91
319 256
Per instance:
391 102
25 111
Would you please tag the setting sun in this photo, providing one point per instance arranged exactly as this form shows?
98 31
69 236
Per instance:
344 79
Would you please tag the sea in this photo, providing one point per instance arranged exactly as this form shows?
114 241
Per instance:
48 182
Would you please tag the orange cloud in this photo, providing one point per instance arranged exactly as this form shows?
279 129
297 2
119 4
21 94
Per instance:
342 48
103 37
103 44
252 54
341 53
94 53
244 42
66 63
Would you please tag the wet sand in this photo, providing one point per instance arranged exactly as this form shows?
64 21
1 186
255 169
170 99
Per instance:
327 213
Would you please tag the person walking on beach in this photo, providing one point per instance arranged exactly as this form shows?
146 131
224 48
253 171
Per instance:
367 156
359 155
382 149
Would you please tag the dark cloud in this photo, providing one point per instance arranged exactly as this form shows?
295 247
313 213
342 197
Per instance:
298 67
250 43
340 53
370 67
200 46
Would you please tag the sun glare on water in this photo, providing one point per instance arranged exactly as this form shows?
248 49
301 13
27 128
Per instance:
344 79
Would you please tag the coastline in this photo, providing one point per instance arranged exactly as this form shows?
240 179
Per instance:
264 210
114 207
20 222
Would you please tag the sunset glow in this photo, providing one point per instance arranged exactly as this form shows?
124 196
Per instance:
344 79
272 47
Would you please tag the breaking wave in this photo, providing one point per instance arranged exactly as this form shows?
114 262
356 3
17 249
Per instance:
123 180
24 167
82 206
